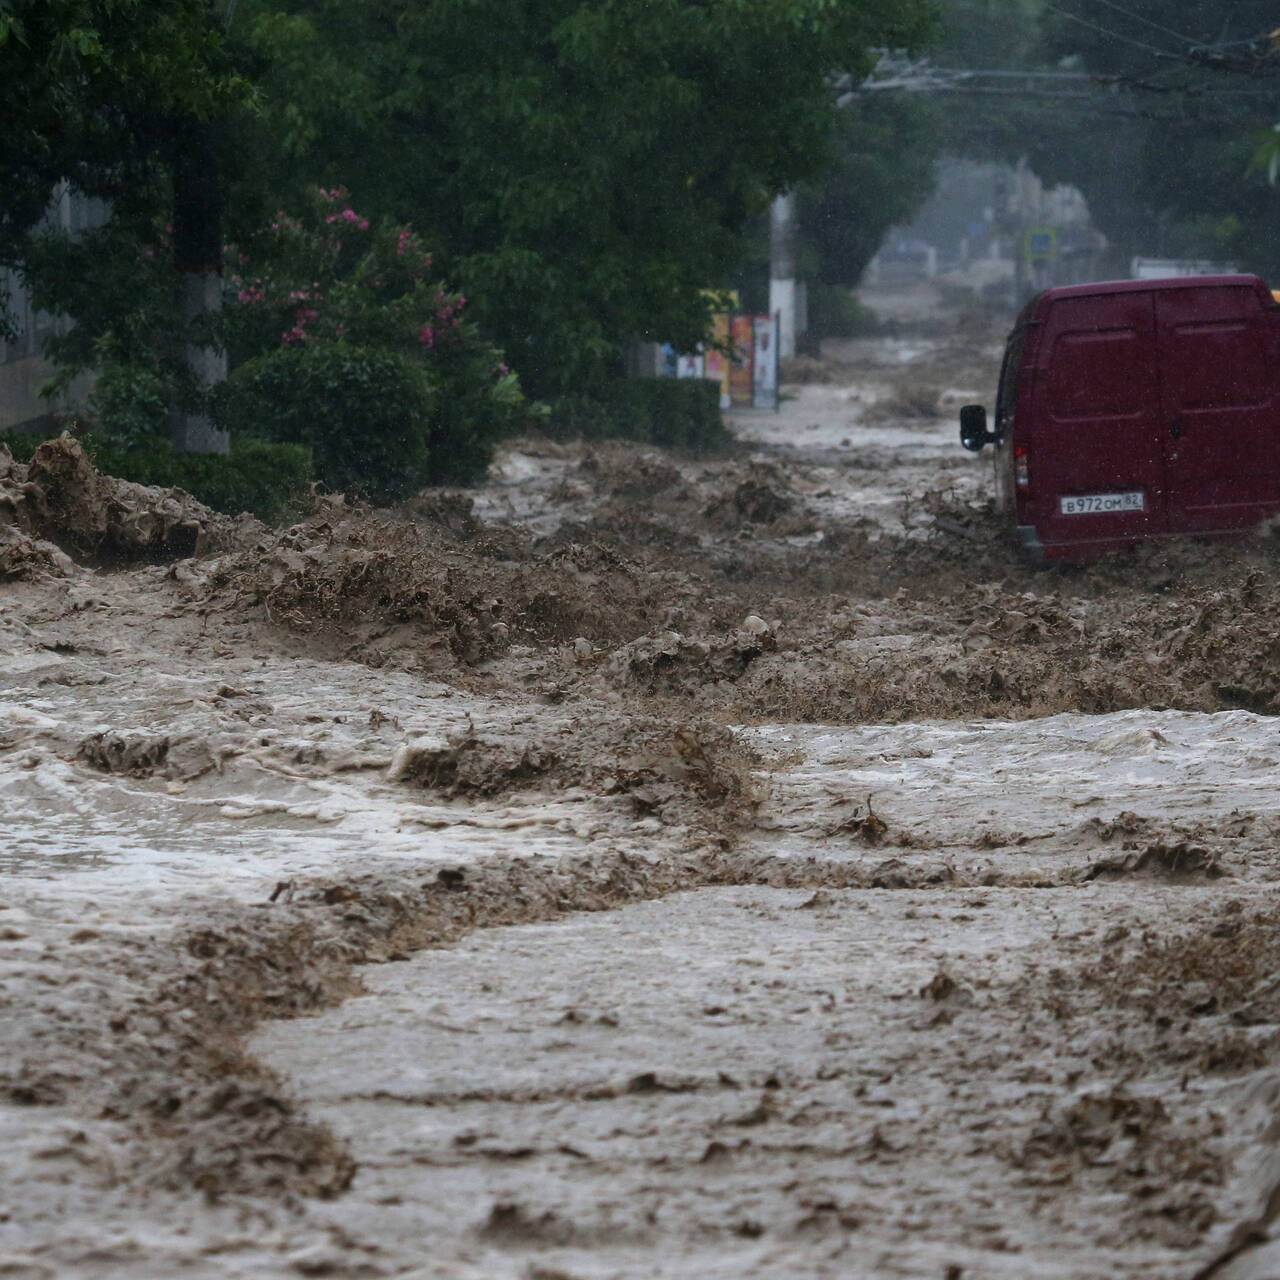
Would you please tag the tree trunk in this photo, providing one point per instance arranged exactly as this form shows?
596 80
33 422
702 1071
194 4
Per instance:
197 258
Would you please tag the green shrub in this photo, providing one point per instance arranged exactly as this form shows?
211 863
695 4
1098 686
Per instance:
475 405
271 480
20 444
410 391
130 401
364 412
679 413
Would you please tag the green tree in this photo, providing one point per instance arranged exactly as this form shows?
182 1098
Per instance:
589 169
886 146
90 92
119 98
1163 157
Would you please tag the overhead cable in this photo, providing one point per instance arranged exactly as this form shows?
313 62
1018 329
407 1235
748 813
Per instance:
1137 17
1111 35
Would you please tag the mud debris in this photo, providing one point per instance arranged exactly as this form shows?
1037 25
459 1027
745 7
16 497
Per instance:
470 765
668 663
138 754
1180 863
60 497
615 610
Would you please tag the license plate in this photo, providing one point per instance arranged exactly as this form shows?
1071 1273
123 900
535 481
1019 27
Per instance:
1092 504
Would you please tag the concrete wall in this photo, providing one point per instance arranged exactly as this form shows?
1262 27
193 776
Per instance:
22 368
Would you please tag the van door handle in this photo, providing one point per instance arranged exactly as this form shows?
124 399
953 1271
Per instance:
1175 428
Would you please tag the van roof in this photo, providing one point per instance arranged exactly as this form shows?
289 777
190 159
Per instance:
1034 310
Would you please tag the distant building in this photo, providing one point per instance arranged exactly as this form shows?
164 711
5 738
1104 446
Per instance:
996 230
1163 268
23 370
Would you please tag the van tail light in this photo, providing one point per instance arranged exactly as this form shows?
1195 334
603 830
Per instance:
1021 467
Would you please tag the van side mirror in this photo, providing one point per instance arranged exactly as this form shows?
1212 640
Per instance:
973 427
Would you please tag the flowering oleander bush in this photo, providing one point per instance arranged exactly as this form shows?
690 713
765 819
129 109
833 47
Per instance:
345 339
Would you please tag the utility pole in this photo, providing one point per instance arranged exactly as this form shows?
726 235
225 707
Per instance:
197 258
782 270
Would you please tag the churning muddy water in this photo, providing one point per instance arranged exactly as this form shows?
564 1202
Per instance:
641 866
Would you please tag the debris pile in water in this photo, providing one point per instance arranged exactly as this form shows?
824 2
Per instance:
58 508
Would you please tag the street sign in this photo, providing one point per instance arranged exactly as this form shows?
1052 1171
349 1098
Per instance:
1041 244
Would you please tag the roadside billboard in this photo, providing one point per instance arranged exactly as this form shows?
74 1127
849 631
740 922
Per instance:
716 363
741 382
764 362
691 366
741 358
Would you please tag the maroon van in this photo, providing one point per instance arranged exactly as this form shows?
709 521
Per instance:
1137 409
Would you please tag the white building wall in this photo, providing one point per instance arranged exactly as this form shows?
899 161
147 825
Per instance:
23 370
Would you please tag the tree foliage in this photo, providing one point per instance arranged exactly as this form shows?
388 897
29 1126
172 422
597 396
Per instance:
587 168
1199 94
1160 141
353 344
885 150
90 91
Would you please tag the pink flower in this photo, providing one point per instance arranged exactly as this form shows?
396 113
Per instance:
427 337
364 224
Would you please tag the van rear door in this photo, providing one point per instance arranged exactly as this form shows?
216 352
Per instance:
1096 470
1219 406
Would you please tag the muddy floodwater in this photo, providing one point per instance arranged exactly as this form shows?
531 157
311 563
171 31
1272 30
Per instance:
641 866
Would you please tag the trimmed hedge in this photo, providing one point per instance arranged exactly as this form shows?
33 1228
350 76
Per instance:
678 413
365 413
271 480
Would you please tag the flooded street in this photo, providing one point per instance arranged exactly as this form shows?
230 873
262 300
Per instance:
641 866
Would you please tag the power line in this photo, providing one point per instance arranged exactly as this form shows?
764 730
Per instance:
921 76
965 73
1266 38
1105 102
1137 17
1111 35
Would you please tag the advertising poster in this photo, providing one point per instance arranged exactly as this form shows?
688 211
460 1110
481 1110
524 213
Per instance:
716 363
690 366
765 363
740 379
